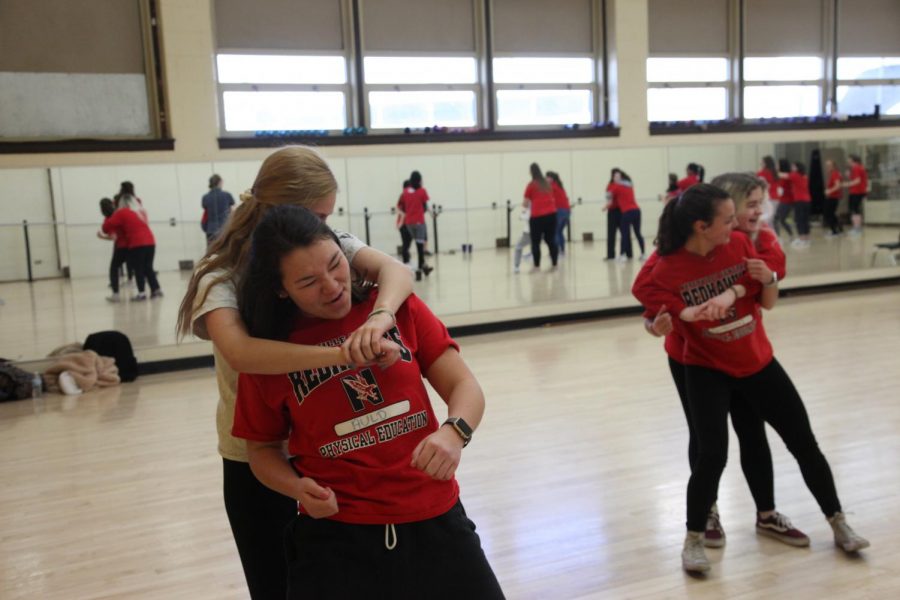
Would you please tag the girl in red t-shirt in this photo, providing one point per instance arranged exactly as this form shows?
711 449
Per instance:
540 201
131 220
370 466
563 209
833 193
769 173
786 202
858 182
704 278
413 204
799 184
620 195
694 174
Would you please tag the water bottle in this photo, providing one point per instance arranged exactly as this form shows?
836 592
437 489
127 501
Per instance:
37 386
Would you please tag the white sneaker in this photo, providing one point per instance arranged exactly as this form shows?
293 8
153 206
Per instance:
844 537
621 258
693 556
139 297
642 257
515 269
113 297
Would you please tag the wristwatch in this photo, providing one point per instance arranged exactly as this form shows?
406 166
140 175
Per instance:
774 280
461 427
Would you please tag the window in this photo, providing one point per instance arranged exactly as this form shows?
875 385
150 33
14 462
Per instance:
781 101
783 68
282 92
536 91
865 83
674 94
396 98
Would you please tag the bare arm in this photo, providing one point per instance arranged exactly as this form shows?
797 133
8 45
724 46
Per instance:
247 354
761 272
439 453
270 466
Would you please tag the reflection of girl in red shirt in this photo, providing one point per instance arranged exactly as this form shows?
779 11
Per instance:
539 199
694 175
833 192
858 182
799 184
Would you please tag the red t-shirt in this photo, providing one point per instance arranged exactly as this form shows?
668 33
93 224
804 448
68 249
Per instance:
858 172
687 182
787 191
833 178
560 198
354 429
132 225
799 187
736 345
772 182
622 196
412 203
542 202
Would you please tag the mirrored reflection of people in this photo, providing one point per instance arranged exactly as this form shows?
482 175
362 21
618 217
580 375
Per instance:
672 190
693 174
621 196
217 205
413 204
613 215
120 248
785 201
705 280
834 189
368 462
130 219
858 182
538 198
291 175
563 209
798 182
769 173
405 235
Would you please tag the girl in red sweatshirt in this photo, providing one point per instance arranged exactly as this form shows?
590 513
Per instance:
703 277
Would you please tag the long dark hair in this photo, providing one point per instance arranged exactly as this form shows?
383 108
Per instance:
555 177
283 229
697 170
676 224
612 174
126 187
784 165
107 207
536 175
673 183
769 163
801 168
415 180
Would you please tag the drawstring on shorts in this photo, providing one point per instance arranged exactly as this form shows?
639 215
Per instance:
390 536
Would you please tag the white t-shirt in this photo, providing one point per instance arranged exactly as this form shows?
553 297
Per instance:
224 295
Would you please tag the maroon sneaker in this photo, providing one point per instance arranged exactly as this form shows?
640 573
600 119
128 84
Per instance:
779 527
714 536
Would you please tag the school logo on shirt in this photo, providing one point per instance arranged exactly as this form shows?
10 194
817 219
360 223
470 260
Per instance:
361 388
700 290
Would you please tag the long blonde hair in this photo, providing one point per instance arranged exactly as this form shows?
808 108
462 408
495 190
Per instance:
291 175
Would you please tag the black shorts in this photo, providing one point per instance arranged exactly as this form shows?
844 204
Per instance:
856 203
437 558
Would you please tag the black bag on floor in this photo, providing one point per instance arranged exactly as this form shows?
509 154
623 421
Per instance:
117 345
15 384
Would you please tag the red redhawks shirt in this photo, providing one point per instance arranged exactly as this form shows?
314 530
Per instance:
736 345
354 430
772 182
687 182
834 177
412 203
622 196
858 172
768 248
542 202
674 343
560 198
132 225
799 187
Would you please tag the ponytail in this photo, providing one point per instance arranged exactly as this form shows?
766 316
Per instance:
537 176
698 170
676 224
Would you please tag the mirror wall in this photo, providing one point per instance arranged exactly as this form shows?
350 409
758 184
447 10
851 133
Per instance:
469 193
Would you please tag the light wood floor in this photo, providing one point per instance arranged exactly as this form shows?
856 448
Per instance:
576 478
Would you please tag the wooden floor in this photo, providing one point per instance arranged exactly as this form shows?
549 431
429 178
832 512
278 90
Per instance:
576 478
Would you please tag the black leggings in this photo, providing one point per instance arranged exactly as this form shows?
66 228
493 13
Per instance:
710 393
613 219
142 263
543 227
631 220
119 258
830 215
258 518
756 459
